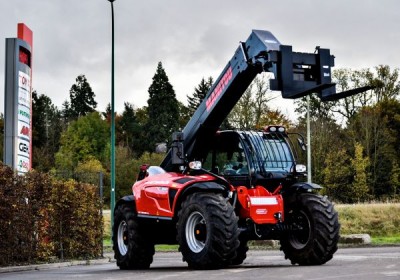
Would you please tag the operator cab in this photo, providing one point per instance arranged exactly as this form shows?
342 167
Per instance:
228 158
250 158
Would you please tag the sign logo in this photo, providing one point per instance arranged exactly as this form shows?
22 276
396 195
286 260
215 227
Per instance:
23 148
23 165
24 131
24 114
24 81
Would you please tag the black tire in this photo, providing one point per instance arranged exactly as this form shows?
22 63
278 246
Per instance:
131 248
316 240
207 231
241 253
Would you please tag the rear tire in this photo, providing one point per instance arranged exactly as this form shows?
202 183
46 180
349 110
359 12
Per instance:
315 240
131 247
207 231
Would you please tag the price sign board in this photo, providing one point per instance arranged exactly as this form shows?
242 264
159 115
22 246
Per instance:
18 101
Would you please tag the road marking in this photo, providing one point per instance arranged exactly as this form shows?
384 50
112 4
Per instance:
391 273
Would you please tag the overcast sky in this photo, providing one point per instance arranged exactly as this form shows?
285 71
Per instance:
192 38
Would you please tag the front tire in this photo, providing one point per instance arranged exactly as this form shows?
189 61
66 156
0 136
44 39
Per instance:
315 230
207 231
241 252
131 247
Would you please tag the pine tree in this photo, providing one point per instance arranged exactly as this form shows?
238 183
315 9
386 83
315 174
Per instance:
163 110
107 113
66 113
82 98
199 94
131 129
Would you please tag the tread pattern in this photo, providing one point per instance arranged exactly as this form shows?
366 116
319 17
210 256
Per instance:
241 253
140 249
324 230
222 231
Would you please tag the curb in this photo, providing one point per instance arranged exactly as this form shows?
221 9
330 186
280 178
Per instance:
46 266
357 239
351 240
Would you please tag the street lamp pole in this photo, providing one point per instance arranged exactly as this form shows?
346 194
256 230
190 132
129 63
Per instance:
309 179
112 193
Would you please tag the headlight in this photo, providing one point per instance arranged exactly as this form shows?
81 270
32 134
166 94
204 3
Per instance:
301 168
196 165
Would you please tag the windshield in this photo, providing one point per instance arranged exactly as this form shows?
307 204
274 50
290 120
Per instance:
270 152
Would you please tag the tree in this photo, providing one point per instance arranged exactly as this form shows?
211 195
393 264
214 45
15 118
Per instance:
163 110
132 131
242 115
66 114
81 98
326 136
119 130
274 117
347 79
261 98
367 129
337 175
386 82
46 131
85 138
318 108
199 94
359 163
89 170
184 115
370 133
251 110
107 113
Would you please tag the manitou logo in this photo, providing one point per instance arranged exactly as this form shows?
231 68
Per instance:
219 89
24 131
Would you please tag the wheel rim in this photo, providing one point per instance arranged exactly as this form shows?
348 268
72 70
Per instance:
196 232
122 238
300 238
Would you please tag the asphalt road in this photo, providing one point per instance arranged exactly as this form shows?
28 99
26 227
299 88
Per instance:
351 263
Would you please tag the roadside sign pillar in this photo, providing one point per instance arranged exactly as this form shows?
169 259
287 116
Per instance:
18 101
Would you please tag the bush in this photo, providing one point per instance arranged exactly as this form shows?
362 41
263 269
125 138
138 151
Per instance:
43 217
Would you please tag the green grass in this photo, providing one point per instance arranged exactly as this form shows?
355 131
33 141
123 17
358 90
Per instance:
107 242
386 240
379 220
167 248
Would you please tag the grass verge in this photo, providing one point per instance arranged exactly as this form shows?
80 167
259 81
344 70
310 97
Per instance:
386 240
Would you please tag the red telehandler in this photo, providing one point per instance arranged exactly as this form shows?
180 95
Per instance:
216 190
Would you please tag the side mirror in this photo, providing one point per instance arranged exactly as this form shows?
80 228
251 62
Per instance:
177 149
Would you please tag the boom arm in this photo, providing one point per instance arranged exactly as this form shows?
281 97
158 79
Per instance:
296 75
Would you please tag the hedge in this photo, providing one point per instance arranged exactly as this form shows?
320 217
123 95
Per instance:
42 219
